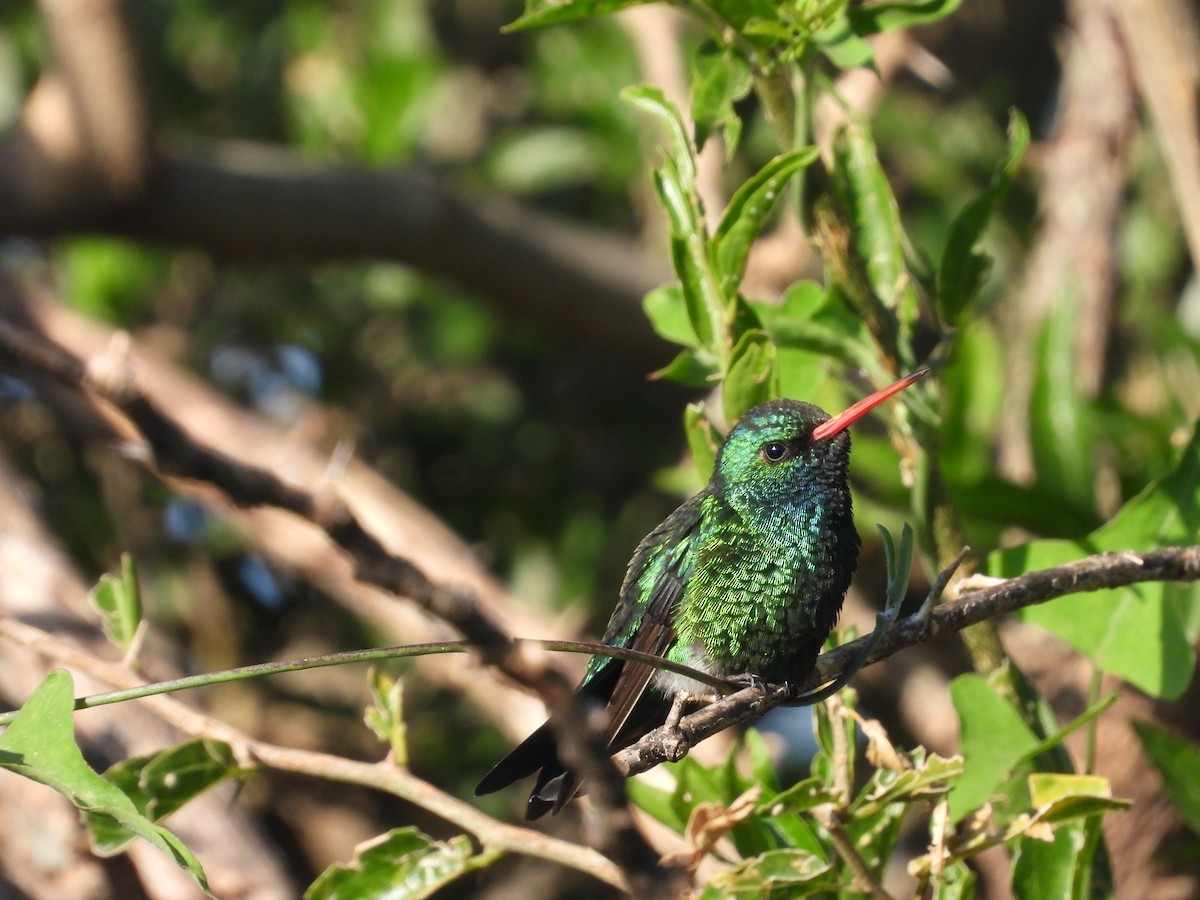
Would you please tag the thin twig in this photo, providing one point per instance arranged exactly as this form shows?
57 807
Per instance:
864 878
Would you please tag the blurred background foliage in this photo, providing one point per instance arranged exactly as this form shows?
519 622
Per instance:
549 454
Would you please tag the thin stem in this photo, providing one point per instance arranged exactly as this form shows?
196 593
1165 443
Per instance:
348 657
864 878
1089 762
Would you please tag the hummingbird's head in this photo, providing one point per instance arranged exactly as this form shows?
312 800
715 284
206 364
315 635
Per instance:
786 451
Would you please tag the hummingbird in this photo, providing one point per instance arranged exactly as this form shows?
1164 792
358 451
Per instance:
744 580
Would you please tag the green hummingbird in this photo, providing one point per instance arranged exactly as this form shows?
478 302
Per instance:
746 578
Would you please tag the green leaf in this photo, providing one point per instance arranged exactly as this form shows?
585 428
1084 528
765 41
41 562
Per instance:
652 100
160 783
720 77
385 716
689 367
747 212
1061 427
1178 763
964 266
539 13
656 803
994 738
957 882
810 320
1066 866
40 744
703 440
929 777
840 45
775 873
750 379
119 601
667 311
803 795
675 185
872 18
874 219
1137 632
403 864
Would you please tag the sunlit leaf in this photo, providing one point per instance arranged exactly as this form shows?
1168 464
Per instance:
554 12
874 219
40 744
385 715
118 600
994 738
774 873
747 212
1137 632
667 311
750 379
403 864
871 18
720 77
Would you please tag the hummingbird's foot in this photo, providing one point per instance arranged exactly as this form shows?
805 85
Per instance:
676 744
750 680
939 587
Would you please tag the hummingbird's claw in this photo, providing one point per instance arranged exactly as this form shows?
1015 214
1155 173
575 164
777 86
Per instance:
939 586
749 679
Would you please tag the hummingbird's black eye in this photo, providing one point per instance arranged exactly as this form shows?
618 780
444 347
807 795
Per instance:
775 451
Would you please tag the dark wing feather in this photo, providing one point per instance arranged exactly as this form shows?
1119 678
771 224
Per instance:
654 582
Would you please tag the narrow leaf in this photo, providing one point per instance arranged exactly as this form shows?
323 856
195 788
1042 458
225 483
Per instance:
872 18
964 266
539 13
747 212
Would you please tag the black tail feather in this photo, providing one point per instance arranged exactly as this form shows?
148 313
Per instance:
535 752
555 785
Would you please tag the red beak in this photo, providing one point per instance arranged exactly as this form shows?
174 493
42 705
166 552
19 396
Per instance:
840 423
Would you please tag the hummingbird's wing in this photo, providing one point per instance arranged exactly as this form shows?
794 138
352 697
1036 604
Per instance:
654 582
656 578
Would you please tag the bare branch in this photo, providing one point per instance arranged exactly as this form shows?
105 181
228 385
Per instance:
245 201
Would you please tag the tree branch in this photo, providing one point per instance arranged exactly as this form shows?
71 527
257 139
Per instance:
253 201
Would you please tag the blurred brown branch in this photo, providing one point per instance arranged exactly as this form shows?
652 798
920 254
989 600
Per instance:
169 451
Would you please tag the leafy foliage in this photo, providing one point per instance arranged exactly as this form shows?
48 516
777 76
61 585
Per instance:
906 281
